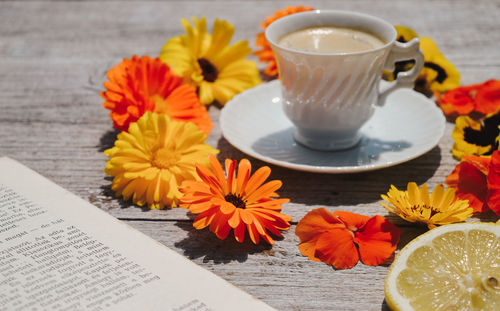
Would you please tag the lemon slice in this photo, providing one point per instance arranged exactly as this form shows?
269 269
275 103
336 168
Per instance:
452 267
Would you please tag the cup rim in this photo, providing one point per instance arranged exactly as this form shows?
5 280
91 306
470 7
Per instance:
284 19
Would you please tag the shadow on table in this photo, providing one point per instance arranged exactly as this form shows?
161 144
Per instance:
342 189
107 140
280 146
203 243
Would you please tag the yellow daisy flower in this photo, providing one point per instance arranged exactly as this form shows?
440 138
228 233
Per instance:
415 205
475 137
151 161
217 69
438 74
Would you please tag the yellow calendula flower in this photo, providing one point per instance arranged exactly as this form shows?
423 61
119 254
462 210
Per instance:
416 205
217 69
151 161
437 75
475 137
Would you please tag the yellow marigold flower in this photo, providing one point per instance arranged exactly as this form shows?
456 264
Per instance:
475 137
437 75
415 205
217 69
151 161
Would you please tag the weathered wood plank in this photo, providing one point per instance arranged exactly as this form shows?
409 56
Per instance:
279 275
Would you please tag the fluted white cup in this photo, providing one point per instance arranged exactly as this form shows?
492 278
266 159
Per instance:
328 97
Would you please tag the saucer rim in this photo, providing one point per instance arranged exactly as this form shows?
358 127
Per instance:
329 169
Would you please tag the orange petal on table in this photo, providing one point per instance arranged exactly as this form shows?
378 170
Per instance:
481 163
351 220
335 247
493 178
313 224
470 183
488 97
458 100
377 241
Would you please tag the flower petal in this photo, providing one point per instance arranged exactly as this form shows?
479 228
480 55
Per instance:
352 221
336 247
377 241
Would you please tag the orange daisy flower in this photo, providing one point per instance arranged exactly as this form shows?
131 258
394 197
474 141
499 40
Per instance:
237 202
477 179
266 54
145 84
341 238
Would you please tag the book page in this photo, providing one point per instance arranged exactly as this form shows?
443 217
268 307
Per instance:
59 252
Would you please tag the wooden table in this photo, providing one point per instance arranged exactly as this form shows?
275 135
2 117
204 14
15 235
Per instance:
53 60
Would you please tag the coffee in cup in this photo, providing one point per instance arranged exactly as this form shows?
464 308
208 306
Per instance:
329 93
328 39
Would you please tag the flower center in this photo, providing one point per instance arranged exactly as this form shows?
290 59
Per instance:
165 158
208 70
420 209
441 73
236 200
486 135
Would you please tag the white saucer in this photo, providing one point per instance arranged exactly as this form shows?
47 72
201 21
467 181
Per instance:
407 126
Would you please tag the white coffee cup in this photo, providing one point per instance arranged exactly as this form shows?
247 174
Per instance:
328 97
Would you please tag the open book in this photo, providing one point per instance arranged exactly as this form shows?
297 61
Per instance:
58 252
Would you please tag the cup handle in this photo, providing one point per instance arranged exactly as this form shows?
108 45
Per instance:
402 51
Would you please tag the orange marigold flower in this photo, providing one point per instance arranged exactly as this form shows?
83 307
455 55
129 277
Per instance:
341 238
483 98
266 54
477 179
239 201
145 84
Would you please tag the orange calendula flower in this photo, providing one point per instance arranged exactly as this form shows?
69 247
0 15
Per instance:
341 238
266 54
477 179
145 84
237 202
483 98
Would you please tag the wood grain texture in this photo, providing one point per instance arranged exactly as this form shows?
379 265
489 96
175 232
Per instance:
53 61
